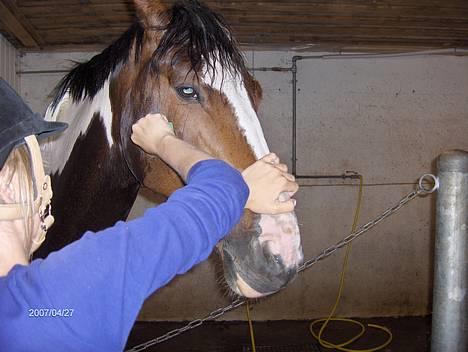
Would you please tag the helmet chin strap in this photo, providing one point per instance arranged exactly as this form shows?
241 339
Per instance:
43 191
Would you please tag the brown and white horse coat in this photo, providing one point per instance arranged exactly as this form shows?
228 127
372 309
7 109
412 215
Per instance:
184 63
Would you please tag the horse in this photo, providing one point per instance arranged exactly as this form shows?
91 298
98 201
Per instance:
183 62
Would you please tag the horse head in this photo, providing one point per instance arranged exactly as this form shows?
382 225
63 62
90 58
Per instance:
184 63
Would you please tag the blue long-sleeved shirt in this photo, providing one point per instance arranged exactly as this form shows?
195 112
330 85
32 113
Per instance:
101 280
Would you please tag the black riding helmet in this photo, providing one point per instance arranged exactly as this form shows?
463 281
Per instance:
18 121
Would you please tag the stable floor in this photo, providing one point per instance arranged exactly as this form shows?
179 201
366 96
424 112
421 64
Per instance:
410 334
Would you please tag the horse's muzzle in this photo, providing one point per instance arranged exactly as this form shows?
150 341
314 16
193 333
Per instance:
251 283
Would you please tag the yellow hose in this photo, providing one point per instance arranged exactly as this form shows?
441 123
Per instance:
252 335
326 321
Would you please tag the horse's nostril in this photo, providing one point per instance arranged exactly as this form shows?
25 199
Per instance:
277 258
289 275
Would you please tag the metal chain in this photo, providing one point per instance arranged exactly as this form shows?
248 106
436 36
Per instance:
192 325
420 190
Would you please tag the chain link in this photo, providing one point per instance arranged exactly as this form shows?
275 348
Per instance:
361 230
420 190
192 325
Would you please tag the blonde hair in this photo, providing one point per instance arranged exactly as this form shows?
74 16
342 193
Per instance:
17 171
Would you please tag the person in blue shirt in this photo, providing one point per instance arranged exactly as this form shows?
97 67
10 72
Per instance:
86 296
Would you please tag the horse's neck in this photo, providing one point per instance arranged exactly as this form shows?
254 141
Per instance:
93 187
79 116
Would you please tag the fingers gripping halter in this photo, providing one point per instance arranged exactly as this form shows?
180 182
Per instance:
43 192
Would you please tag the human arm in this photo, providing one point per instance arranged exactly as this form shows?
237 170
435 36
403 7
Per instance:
154 135
271 186
106 276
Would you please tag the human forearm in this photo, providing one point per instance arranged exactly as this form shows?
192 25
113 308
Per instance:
267 178
153 134
180 155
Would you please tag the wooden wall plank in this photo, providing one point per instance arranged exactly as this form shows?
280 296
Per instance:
287 22
15 28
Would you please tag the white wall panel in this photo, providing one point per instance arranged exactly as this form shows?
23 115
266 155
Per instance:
40 73
8 59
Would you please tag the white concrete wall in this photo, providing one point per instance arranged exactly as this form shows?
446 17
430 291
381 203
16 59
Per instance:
8 61
41 72
386 118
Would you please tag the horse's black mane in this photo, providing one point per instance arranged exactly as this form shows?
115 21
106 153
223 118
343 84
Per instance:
86 79
194 32
197 33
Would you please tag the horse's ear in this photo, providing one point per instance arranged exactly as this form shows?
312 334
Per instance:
152 13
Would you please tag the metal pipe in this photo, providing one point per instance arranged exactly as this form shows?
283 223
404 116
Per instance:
293 69
317 177
294 115
267 69
34 72
450 314
347 174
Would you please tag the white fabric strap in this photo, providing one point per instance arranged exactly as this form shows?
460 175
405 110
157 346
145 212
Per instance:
10 212
42 185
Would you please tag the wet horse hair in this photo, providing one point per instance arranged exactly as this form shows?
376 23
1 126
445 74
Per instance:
194 31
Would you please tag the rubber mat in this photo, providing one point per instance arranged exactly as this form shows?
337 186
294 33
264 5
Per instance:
288 348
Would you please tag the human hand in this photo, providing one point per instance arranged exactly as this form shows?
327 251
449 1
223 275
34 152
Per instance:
267 179
150 131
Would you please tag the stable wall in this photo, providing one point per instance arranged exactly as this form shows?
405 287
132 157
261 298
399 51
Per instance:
8 61
386 118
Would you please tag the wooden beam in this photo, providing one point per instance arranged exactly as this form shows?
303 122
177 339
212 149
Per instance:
15 28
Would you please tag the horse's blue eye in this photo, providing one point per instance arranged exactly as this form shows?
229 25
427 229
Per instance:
188 93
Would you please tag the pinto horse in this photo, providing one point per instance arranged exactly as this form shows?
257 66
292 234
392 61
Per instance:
183 62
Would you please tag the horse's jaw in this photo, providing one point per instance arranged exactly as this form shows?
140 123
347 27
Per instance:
262 257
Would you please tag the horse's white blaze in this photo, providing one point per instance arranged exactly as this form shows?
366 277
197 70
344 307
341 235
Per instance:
280 232
288 244
237 95
78 115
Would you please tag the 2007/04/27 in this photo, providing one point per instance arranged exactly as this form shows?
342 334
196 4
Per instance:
50 312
